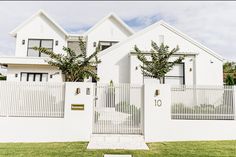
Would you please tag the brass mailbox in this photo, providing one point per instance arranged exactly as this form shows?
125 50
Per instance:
77 106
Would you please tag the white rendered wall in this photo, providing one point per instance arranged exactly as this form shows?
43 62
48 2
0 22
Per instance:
109 30
75 126
17 69
116 63
39 28
160 127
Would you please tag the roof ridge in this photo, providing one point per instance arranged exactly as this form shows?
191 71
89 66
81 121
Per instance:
129 38
111 14
39 12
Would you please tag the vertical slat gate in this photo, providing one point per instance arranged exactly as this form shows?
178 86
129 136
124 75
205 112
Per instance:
118 109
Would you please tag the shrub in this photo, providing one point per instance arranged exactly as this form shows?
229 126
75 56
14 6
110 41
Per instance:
135 112
202 109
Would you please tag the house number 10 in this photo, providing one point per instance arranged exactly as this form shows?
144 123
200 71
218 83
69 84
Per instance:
158 103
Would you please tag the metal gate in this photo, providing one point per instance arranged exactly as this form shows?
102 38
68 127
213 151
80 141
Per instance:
118 109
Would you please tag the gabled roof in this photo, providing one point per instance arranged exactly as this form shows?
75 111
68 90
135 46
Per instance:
174 30
38 13
114 16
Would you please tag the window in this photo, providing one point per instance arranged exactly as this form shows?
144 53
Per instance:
46 43
105 44
176 75
74 46
34 77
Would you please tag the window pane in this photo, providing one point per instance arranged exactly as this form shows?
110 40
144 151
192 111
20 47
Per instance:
43 55
75 46
176 71
23 77
37 77
174 80
47 43
33 43
44 77
33 53
104 47
31 77
105 44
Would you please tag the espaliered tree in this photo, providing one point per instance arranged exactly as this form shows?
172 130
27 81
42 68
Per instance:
159 63
74 67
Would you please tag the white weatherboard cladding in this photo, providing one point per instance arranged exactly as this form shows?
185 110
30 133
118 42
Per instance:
109 30
39 28
116 62
17 69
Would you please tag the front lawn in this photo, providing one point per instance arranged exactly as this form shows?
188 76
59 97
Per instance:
162 149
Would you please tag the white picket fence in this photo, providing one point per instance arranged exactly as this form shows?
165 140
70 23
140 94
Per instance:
31 99
118 109
203 102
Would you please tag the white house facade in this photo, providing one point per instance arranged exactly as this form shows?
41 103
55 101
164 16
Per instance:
201 65
123 115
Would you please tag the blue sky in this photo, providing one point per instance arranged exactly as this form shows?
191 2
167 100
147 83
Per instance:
211 23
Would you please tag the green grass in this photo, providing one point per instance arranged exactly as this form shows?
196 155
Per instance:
162 149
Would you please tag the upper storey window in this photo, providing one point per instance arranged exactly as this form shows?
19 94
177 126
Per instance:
74 46
105 44
46 43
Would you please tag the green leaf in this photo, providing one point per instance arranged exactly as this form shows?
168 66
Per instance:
74 66
158 65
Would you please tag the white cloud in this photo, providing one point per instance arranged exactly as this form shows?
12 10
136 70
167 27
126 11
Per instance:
211 23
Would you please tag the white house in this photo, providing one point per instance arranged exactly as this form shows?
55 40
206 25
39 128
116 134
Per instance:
123 116
201 66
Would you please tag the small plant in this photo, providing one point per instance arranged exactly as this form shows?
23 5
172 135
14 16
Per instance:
2 77
135 112
201 109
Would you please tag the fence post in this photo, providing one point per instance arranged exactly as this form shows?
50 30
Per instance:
234 101
157 110
79 109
